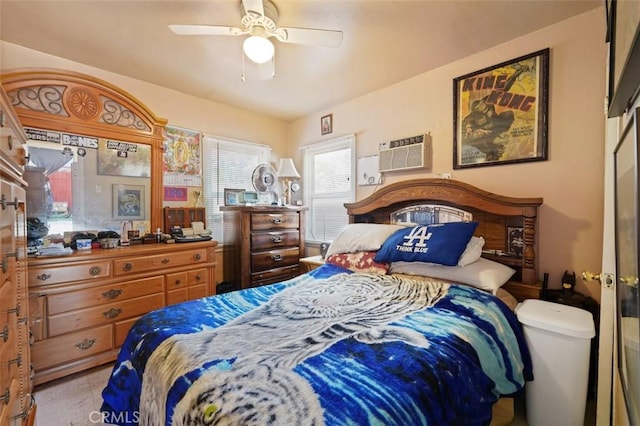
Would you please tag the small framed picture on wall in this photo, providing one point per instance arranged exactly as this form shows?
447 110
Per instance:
326 124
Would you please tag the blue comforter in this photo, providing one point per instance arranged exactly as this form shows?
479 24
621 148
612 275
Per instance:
328 347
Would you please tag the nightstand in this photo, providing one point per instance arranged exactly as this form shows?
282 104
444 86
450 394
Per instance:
308 264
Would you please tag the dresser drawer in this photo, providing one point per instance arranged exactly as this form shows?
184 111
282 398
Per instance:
8 303
177 280
75 272
274 239
121 329
71 347
10 408
10 145
160 261
177 296
197 277
266 221
88 297
91 317
197 291
274 275
265 260
9 354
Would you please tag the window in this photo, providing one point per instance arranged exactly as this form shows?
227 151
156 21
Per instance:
329 182
227 164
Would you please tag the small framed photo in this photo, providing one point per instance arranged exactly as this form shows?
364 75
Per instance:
128 202
515 241
326 124
233 197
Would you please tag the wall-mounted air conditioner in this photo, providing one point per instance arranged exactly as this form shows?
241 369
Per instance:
404 154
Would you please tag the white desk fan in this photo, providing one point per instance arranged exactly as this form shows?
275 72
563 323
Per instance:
265 179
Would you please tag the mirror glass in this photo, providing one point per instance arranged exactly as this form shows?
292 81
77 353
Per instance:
92 188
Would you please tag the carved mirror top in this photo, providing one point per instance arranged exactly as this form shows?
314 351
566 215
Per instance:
68 101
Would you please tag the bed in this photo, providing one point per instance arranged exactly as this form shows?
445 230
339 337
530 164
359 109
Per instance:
351 342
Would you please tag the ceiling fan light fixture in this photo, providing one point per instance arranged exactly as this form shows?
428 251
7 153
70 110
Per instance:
259 49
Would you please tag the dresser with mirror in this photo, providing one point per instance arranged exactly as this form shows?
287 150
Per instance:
108 148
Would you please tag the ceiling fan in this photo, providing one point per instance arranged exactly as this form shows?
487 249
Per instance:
259 22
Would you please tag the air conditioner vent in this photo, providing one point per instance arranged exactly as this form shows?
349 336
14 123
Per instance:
408 153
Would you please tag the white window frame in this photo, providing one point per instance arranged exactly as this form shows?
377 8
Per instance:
213 198
309 151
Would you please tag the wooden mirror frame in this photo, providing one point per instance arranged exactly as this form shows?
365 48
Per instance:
85 105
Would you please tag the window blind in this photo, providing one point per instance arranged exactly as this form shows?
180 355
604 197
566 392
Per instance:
329 182
227 164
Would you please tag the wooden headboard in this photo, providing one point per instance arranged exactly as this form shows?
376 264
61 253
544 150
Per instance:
496 215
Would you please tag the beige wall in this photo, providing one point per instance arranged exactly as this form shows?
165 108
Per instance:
571 181
570 231
180 109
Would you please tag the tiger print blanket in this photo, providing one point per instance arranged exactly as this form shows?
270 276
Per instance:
325 348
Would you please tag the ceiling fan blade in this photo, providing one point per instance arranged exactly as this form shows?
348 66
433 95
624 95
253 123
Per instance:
205 30
254 7
310 36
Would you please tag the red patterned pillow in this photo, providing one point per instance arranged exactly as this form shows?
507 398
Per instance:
362 261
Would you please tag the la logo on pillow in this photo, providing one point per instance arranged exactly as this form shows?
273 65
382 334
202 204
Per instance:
416 241
441 243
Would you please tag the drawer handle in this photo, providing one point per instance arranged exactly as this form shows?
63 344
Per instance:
165 261
198 277
15 310
5 333
112 313
5 260
1 118
6 397
277 257
5 203
85 344
10 142
127 267
112 294
95 270
277 239
17 360
197 256
177 282
276 220
43 277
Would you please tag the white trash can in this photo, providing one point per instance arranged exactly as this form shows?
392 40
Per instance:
559 340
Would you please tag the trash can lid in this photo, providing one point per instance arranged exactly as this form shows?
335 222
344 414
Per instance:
561 319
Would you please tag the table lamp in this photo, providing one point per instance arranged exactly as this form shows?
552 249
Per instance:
287 171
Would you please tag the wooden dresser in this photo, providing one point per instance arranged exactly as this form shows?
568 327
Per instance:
16 402
266 243
84 304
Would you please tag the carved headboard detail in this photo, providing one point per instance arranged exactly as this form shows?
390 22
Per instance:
497 216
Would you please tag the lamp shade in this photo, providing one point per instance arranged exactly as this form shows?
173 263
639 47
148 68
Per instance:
286 169
259 49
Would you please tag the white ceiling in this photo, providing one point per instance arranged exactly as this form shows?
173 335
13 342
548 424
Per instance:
384 42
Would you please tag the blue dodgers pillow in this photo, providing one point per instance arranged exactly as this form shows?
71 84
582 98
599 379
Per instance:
441 243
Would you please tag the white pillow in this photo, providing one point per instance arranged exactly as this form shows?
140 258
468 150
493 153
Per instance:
484 274
361 237
473 252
